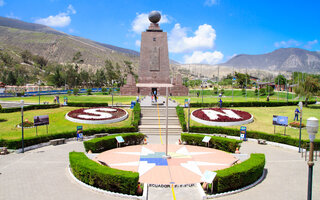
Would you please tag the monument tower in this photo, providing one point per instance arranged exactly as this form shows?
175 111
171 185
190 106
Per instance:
154 69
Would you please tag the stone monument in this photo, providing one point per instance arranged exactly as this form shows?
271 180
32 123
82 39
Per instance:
154 69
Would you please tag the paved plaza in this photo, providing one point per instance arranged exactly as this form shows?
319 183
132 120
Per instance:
42 174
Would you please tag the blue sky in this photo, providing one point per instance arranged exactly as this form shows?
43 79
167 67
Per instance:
199 31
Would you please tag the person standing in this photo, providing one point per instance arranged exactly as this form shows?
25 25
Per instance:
268 98
296 114
220 102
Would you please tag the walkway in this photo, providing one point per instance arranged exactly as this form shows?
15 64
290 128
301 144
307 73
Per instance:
42 174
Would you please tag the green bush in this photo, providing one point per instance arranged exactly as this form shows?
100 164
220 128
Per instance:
0 107
98 145
103 177
30 107
75 91
256 92
181 117
249 104
136 116
263 92
221 143
86 104
89 91
239 175
69 92
16 143
253 134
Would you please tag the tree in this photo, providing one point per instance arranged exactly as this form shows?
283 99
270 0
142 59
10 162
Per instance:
310 87
12 79
57 78
26 56
241 79
280 79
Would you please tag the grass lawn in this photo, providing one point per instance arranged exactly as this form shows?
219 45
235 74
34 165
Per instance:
58 123
263 119
72 98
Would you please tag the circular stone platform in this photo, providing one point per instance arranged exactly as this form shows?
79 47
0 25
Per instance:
187 165
221 117
100 115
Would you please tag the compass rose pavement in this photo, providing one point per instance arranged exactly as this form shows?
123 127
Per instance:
186 166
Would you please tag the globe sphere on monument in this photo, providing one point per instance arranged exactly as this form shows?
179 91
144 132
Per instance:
154 16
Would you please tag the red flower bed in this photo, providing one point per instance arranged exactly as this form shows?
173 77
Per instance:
115 114
200 114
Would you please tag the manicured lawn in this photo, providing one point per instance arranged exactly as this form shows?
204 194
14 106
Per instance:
72 98
58 123
263 119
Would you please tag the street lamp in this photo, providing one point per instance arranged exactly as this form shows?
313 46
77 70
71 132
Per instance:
22 145
301 106
312 128
202 92
39 82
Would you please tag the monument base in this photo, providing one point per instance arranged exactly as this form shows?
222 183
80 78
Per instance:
129 90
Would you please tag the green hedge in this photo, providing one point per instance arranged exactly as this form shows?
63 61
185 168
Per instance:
16 143
30 107
98 145
221 143
86 104
249 104
239 175
181 117
136 116
103 177
253 134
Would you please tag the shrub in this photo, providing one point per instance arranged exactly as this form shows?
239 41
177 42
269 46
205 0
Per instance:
86 104
249 104
104 91
253 134
89 91
75 91
136 116
256 92
243 91
30 107
69 92
3 120
221 143
181 117
239 175
263 92
98 145
0 107
103 177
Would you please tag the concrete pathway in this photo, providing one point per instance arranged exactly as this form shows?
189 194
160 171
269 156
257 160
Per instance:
42 174
146 101
12 104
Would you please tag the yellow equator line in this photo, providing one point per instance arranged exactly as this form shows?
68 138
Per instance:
174 196
159 123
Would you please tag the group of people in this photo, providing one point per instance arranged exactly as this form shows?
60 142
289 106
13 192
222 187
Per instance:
57 100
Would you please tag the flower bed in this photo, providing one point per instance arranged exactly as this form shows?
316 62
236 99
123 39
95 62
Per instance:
100 115
297 124
221 117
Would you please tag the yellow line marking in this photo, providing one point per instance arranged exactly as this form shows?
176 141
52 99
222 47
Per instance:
159 123
174 196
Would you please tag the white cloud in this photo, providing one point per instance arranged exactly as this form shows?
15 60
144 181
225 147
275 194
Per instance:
210 2
203 39
310 44
141 22
204 57
60 20
138 43
289 43
2 3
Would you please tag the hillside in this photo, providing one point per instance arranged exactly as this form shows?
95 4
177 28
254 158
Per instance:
55 46
284 59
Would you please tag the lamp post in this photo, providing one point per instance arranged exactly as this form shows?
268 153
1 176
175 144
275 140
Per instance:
300 105
312 128
22 145
202 92
39 82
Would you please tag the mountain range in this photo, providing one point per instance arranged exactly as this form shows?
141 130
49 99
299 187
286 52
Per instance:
283 59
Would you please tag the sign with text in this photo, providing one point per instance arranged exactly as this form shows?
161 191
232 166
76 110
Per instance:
119 139
280 120
206 139
41 120
243 133
208 176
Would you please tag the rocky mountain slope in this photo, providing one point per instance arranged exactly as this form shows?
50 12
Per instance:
284 59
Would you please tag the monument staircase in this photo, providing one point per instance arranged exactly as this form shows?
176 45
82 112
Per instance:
153 117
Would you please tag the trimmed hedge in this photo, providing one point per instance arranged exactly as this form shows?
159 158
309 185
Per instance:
249 104
239 175
98 145
181 117
86 104
136 116
16 143
103 177
253 134
30 107
221 143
